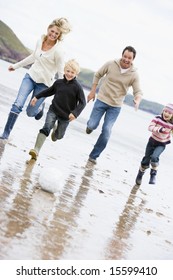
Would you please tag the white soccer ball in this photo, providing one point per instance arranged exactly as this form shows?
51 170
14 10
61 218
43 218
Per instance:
51 179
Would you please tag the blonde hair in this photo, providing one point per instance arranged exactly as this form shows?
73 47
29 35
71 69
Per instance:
63 25
73 64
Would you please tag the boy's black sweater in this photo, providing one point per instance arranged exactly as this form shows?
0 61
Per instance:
68 97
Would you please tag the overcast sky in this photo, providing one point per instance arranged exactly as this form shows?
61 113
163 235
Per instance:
100 31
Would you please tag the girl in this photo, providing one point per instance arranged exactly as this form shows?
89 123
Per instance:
161 128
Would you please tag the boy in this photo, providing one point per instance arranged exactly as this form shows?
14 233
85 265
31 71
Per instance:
67 104
161 128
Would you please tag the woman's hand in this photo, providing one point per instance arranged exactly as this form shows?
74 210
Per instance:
10 68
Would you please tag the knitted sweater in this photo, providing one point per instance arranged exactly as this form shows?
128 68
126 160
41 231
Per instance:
68 97
114 84
45 64
161 130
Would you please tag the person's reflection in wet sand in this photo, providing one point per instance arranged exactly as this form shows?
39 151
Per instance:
6 194
50 218
66 214
127 219
2 148
17 219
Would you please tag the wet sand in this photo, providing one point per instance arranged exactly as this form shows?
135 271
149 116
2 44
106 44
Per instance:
98 213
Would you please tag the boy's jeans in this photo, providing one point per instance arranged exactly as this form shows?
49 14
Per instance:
51 118
111 113
27 86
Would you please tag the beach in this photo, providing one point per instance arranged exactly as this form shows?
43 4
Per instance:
98 213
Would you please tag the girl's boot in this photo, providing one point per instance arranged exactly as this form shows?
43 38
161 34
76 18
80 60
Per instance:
9 125
38 144
153 173
139 176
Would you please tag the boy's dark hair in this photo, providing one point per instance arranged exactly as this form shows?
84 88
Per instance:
130 49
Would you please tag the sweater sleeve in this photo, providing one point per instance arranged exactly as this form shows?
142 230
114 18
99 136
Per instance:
100 73
153 127
157 126
81 102
136 86
26 61
47 92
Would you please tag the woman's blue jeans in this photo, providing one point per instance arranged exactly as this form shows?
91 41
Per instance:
51 118
152 154
28 86
110 115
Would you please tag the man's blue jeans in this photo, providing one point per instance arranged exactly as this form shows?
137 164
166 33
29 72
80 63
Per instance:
110 115
28 86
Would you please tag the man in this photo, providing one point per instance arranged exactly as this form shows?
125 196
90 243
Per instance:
118 75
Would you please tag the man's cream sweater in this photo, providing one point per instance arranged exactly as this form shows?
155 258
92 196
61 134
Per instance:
114 85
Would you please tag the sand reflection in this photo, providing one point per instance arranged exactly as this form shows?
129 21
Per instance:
119 242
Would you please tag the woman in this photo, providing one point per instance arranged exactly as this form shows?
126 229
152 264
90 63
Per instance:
46 60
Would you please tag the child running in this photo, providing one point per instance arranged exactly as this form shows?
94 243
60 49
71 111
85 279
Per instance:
67 104
161 128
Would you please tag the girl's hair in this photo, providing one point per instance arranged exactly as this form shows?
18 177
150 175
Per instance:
171 121
73 64
63 25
